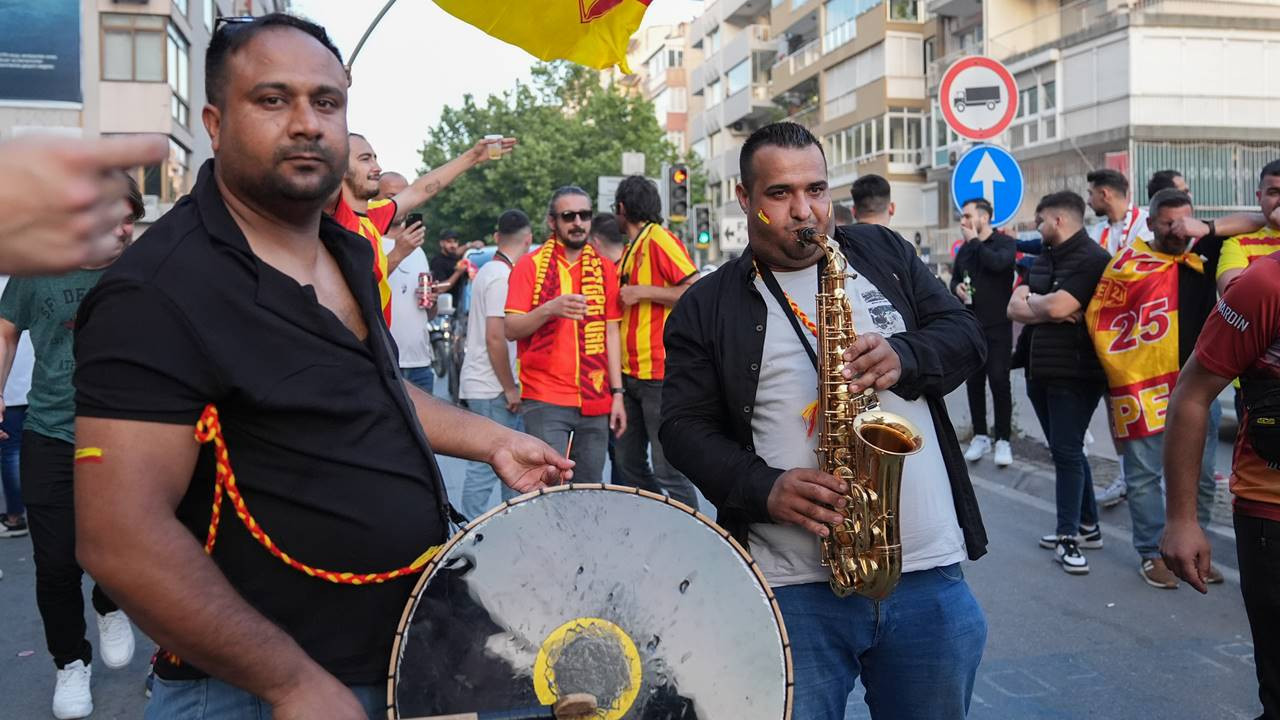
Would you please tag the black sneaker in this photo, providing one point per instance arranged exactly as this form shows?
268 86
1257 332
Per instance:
1088 539
10 528
1067 553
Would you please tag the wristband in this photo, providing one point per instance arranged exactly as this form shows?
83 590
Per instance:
616 391
1213 228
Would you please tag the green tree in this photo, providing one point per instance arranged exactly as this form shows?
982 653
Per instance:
571 130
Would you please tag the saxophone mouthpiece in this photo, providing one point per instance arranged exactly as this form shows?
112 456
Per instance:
808 236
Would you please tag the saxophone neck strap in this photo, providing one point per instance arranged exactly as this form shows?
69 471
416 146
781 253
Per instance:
775 289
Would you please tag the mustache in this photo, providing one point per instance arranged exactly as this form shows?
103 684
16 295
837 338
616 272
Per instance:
314 149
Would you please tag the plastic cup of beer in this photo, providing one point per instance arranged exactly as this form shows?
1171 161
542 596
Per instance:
495 146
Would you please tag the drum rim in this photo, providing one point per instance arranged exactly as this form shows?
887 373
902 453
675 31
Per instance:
429 570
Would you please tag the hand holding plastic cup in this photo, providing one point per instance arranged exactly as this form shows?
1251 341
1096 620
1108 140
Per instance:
494 143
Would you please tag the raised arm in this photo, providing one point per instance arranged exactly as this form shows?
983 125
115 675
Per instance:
427 186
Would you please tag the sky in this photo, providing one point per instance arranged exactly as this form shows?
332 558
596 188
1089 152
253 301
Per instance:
420 59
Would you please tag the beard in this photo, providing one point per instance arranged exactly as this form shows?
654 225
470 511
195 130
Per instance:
312 185
361 187
573 242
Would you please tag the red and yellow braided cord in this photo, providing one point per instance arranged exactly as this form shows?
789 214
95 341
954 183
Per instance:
209 430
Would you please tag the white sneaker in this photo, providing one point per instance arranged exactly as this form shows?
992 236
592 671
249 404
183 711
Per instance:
71 697
980 445
1067 553
1004 453
1113 494
115 639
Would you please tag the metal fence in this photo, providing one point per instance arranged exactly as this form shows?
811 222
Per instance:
1222 175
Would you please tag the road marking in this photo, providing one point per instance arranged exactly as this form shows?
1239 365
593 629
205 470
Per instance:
1231 574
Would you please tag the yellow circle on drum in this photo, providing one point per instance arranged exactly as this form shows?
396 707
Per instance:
572 642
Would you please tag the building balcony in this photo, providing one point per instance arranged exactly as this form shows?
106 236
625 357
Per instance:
954 8
748 104
742 12
796 67
752 39
808 117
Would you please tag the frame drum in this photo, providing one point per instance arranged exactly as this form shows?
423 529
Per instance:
617 592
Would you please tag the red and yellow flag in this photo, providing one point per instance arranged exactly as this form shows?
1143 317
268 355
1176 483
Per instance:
1133 320
594 33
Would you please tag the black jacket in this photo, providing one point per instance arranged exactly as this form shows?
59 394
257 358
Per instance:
715 342
1063 351
989 264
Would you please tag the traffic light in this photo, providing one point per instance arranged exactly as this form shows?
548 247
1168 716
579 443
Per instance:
702 218
678 193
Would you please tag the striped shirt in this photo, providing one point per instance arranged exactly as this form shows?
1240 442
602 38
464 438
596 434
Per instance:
1241 251
655 258
371 225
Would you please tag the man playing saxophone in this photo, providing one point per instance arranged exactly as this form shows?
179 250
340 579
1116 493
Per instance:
742 421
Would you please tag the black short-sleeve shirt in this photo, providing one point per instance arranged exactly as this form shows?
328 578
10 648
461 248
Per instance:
324 441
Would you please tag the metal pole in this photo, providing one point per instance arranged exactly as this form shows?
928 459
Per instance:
368 31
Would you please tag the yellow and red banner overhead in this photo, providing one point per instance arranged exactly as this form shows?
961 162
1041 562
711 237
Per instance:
1133 320
594 33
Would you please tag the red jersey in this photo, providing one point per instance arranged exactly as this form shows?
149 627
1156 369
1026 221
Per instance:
654 258
372 225
1242 339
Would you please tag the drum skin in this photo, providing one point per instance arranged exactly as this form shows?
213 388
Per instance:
612 591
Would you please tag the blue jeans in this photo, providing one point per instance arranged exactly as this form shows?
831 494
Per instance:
423 377
917 651
1064 410
10 452
1143 460
480 480
212 699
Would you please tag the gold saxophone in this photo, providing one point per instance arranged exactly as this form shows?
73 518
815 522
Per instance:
860 444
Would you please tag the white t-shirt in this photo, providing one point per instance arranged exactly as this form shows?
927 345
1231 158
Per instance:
488 300
409 322
24 360
1121 233
788 554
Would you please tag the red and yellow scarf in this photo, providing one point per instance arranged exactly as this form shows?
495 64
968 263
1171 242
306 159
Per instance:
593 357
1133 320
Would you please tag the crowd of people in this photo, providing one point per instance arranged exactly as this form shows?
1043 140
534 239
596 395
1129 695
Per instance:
265 346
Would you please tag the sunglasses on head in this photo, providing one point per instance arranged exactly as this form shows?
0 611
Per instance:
569 215
223 22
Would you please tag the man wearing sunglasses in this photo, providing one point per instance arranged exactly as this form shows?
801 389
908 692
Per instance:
563 308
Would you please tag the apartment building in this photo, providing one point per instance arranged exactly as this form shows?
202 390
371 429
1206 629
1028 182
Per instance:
129 66
852 71
1134 85
659 57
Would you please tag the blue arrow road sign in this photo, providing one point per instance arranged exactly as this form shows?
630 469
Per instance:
990 172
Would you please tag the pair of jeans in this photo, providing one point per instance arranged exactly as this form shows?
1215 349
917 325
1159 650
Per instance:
643 401
996 372
917 651
10 453
1064 409
423 377
47 488
480 479
552 424
1143 460
212 699
1258 554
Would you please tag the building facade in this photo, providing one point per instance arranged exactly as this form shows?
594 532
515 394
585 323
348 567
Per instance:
141 70
659 57
1133 85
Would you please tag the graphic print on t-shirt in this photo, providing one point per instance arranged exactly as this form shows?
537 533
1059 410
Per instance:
886 320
